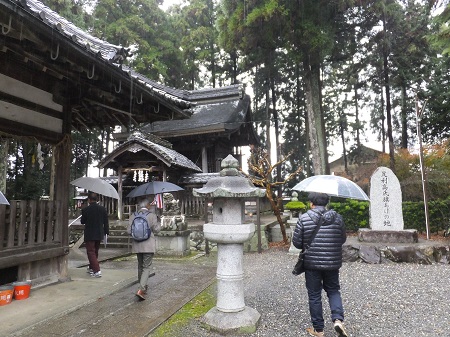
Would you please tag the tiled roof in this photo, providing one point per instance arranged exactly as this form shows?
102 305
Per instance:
113 53
137 142
197 178
200 178
215 116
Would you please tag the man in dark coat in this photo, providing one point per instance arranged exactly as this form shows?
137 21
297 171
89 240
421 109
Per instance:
96 226
322 261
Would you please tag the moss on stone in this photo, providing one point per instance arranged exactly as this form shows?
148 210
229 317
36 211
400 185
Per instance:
194 309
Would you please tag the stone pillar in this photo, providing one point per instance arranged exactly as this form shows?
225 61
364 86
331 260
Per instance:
228 193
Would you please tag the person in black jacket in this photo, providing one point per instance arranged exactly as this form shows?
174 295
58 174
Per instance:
96 226
322 261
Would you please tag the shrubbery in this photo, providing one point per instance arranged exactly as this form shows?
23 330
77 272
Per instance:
356 214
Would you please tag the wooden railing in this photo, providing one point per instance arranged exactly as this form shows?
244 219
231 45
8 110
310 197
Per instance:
192 206
29 222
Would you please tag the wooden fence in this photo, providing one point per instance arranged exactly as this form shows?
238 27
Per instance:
29 222
30 230
192 206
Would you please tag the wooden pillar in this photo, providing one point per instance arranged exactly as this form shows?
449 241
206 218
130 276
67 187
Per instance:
204 160
63 154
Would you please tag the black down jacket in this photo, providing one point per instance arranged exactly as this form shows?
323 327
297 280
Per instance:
325 252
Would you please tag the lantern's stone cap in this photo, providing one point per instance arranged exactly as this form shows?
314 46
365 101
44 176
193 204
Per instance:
229 184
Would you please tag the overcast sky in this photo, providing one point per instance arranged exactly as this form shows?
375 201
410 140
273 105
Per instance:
168 3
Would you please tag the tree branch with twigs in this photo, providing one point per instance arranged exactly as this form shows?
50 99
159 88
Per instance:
261 174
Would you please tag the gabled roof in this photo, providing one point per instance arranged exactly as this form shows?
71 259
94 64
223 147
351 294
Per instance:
123 154
213 113
358 155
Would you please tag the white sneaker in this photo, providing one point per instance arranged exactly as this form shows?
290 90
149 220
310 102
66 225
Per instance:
89 271
97 274
339 328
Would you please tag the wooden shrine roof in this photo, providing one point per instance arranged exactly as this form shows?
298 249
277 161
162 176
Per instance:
135 153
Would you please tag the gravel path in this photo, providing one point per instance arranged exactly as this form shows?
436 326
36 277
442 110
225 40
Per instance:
393 299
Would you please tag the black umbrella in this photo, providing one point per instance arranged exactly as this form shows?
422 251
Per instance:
154 187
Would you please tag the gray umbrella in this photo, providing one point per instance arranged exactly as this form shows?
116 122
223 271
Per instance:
3 200
333 186
154 187
96 185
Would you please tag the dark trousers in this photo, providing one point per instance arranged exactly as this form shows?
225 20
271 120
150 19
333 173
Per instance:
144 271
92 248
328 280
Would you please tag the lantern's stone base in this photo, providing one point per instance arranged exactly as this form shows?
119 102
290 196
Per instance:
242 322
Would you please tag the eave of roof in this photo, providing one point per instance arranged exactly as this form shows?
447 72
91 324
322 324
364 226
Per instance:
138 142
115 53
216 116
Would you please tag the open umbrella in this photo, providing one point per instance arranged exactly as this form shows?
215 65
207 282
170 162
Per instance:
96 185
333 186
3 200
154 187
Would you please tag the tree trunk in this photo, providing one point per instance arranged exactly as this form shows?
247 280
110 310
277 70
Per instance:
404 118
277 137
388 101
4 147
315 118
276 210
269 145
358 140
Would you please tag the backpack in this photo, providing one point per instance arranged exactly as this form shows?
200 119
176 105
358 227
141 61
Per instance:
140 230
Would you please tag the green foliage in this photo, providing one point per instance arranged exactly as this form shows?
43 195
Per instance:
441 38
295 206
146 27
355 213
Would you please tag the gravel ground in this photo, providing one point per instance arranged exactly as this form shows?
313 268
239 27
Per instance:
392 299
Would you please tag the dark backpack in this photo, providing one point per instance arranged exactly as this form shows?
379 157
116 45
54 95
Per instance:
140 230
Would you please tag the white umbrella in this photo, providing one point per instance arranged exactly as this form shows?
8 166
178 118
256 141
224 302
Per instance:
96 185
333 186
3 200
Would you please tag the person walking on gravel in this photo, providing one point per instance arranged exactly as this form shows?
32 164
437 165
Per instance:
322 261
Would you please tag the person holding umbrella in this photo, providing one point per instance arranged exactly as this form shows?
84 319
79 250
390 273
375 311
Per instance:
322 260
96 226
145 250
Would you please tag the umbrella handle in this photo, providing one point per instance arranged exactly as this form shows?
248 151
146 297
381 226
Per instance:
74 221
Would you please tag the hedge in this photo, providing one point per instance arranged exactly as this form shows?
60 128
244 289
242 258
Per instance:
356 214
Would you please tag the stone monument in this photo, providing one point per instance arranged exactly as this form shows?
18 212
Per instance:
386 214
173 239
228 192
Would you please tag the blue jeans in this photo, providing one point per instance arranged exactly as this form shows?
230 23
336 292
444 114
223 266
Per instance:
328 280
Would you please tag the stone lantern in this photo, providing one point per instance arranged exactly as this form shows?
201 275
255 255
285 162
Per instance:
229 192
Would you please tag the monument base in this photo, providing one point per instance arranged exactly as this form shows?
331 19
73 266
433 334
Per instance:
242 322
378 236
173 243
